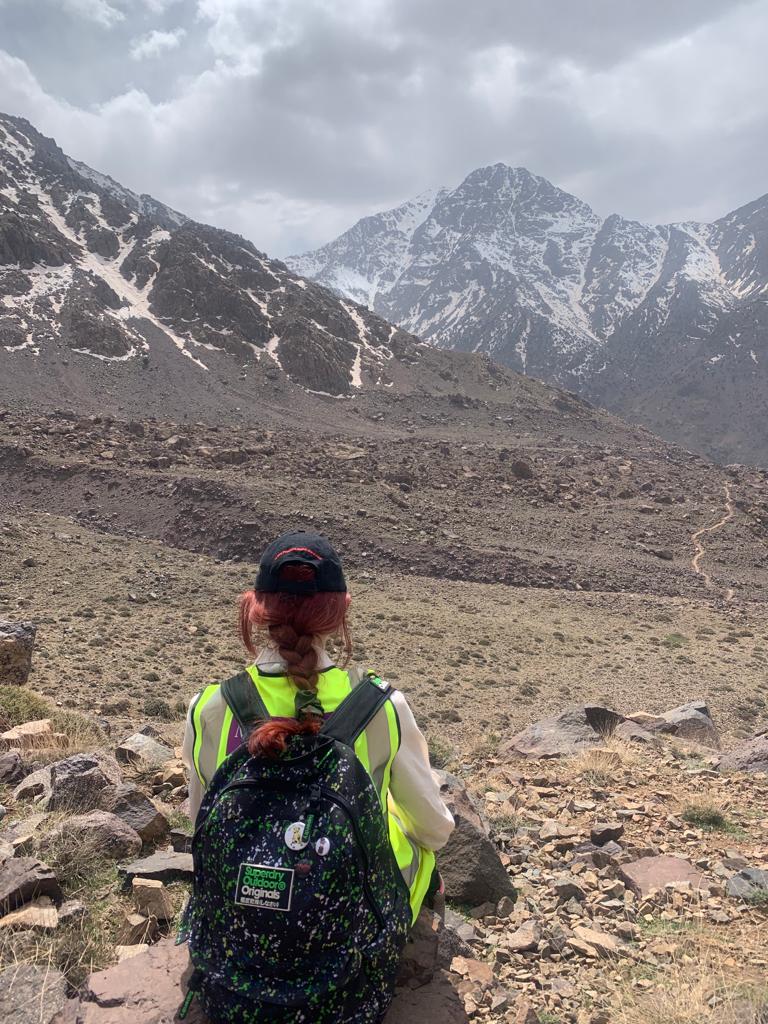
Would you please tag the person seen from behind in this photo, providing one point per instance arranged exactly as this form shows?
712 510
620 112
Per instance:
316 812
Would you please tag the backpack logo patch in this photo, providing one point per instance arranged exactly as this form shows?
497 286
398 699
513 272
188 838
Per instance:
260 885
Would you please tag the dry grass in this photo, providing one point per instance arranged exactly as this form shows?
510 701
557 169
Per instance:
698 995
709 817
19 705
602 765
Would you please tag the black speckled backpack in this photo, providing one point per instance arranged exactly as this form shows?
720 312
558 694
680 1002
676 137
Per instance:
299 912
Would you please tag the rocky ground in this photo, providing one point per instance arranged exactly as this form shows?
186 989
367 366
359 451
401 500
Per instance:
603 869
505 565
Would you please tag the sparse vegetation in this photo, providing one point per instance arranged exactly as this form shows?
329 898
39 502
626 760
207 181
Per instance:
441 752
709 818
674 641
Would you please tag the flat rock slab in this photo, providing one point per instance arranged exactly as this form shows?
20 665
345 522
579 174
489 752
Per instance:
149 989
32 995
143 751
164 866
692 721
649 873
23 879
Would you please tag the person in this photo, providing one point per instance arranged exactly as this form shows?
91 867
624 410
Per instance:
300 603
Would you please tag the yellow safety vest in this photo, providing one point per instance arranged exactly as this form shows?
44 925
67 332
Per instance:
212 723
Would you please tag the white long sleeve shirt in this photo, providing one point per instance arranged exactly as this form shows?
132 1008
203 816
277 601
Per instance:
413 785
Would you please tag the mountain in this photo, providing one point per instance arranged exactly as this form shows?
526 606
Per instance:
108 294
665 325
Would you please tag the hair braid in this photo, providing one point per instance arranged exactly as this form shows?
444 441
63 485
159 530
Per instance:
299 653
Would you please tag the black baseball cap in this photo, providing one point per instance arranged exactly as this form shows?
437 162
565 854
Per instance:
301 548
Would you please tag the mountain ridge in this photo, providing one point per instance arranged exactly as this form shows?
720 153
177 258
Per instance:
656 322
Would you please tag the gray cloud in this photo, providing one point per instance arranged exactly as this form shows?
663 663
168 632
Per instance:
287 121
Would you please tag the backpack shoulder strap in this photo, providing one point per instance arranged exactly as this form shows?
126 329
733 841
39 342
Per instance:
357 709
243 697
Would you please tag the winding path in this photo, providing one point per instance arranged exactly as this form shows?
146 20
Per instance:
701 550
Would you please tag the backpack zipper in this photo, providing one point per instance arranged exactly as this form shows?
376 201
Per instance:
346 807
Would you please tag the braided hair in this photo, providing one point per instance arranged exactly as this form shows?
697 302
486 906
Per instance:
295 624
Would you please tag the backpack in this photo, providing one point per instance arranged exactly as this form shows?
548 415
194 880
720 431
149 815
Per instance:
299 912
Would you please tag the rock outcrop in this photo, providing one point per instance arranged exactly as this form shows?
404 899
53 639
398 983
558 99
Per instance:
565 734
469 863
17 641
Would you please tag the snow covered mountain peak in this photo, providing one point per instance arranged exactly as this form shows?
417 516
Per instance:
509 264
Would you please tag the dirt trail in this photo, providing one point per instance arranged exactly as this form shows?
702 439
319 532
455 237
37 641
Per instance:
701 550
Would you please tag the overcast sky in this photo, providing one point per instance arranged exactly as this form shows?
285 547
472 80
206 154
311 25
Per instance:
286 120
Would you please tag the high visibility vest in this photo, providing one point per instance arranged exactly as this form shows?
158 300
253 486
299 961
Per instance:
217 734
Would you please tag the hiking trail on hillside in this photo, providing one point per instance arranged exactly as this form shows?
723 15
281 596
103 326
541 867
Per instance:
701 550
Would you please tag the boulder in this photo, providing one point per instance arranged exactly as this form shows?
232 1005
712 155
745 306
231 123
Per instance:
691 721
749 756
164 866
648 873
28 735
32 995
11 768
469 863
143 751
749 884
566 734
23 879
36 786
136 809
17 641
101 831
40 915
78 782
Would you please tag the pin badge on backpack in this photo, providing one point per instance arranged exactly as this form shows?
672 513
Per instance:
294 836
323 847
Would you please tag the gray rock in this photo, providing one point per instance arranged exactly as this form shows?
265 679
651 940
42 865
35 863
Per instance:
565 734
568 889
23 879
36 786
143 751
606 832
469 863
691 721
31 995
165 866
181 840
17 641
99 830
136 809
78 782
749 756
749 884
11 768
71 911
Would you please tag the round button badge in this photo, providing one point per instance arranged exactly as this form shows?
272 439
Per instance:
323 847
294 836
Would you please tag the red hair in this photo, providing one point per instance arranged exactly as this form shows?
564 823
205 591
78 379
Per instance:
294 624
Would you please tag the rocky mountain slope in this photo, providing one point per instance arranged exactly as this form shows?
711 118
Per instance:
101 288
663 324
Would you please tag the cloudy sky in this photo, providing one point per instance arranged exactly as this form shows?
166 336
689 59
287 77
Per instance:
286 120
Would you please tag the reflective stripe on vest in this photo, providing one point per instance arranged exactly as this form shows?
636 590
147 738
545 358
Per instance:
376 747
